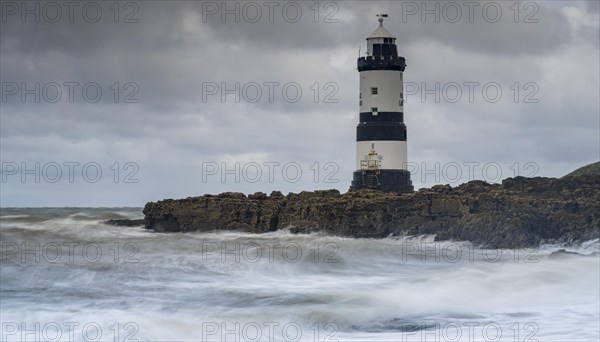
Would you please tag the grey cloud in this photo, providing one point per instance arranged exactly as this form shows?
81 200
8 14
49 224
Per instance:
170 53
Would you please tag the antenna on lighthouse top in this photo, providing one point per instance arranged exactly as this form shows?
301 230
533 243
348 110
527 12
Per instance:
381 16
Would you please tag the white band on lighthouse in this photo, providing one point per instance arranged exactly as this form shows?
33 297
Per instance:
381 89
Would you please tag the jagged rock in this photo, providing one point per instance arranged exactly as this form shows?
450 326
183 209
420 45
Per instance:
276 194
258 196
124 223
519 212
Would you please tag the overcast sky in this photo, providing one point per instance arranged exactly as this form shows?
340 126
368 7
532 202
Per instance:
188 90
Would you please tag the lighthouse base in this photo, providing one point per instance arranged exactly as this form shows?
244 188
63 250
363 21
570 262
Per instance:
384 180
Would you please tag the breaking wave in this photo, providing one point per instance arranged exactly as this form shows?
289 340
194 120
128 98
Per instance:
64 265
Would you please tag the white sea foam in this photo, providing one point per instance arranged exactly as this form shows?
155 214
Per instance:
219 286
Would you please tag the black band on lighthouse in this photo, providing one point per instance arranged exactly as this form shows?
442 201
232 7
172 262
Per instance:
381 63
381 117
381 131
386 180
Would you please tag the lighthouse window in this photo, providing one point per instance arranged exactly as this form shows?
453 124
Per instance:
386 50
374 110
376 49
374 91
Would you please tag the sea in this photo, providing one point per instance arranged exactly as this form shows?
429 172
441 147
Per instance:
67 276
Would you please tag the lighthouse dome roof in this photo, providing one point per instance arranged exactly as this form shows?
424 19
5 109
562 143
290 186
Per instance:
381 32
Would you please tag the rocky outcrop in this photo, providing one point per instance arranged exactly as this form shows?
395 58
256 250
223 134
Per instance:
519 212
125 222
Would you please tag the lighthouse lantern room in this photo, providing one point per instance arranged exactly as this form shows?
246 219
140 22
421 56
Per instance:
381 151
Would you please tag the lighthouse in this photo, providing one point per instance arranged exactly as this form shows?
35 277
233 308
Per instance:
381 150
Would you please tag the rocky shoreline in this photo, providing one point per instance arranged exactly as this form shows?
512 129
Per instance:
520 212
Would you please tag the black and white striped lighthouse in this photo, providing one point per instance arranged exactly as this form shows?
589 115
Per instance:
381 151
